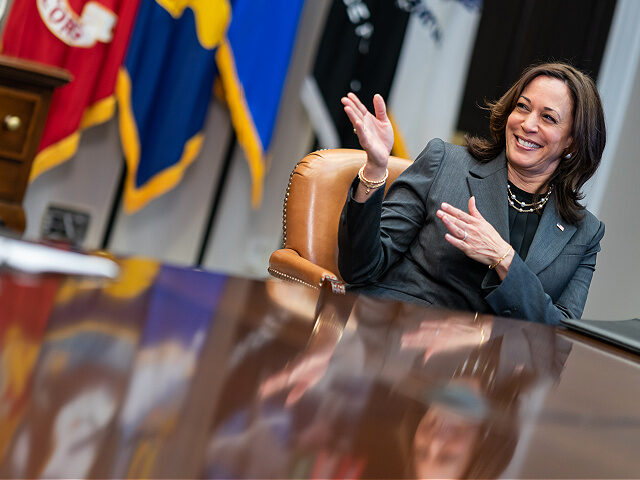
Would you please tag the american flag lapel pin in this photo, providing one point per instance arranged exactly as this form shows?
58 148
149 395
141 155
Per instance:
560 227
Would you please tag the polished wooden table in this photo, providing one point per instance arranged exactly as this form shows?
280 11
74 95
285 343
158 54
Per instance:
176 373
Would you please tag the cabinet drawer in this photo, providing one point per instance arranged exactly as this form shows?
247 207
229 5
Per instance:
10 184
18 114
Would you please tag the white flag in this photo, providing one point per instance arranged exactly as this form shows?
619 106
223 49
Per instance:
430 77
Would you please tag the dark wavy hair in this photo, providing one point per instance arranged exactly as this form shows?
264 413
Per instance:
588 133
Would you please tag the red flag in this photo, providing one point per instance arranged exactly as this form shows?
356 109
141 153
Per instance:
87 37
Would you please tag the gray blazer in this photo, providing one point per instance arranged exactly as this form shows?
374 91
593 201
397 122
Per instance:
396 248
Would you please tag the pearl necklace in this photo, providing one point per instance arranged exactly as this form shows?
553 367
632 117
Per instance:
523 207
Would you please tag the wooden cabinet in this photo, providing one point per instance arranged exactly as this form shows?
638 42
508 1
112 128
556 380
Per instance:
25 94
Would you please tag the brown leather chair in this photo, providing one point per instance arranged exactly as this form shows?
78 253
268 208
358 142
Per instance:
314 199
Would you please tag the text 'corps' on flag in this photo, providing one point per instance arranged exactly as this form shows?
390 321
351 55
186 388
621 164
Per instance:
88 38
165 86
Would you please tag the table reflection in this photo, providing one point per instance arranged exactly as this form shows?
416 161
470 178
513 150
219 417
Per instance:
169 372
390 390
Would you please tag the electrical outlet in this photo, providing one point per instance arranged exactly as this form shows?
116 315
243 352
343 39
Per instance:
63 224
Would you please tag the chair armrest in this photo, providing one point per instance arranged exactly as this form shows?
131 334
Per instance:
289 265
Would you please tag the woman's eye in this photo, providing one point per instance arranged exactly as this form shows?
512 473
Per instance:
550 118
522 106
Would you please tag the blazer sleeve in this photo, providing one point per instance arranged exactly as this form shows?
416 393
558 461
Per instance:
373 235
521 294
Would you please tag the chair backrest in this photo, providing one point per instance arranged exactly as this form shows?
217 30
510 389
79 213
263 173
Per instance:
315 196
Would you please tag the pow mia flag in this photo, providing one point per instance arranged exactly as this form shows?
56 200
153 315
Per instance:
358 52
415 53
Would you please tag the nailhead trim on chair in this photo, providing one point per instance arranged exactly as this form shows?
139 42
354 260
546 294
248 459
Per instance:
284 207
286 198
275 272
284 276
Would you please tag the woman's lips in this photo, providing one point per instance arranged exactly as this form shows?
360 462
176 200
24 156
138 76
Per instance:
526 144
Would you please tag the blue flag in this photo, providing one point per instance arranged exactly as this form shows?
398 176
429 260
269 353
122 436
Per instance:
164 90
177 49
253 62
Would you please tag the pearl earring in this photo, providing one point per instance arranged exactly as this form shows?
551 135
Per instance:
567 156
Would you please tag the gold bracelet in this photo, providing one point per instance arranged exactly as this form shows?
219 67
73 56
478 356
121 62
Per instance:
494 265
370 184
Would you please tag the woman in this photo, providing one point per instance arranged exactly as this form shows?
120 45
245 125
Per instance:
526 248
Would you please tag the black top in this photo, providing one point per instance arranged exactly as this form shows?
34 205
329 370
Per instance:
522 226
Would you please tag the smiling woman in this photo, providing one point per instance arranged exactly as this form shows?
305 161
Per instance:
538 132
495 227
577 113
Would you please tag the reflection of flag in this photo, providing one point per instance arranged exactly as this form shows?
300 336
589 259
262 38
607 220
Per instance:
25 308
88 38
182 309
358 52
81 374
431 73
166 84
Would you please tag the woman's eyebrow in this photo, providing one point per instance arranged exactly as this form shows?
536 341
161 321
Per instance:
553 110
544 108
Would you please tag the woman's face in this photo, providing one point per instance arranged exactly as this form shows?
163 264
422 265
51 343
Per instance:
443 444
538 129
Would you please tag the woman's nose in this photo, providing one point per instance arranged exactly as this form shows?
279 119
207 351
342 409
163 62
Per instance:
530 123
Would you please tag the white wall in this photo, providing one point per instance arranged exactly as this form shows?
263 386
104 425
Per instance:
613 193
615 291
86 182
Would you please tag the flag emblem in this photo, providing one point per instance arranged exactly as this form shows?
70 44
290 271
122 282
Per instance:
96 23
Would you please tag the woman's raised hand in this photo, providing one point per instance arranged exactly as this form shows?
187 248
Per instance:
375 133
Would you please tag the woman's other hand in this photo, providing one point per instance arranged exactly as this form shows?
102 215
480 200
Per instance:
475 237
375 133
451 331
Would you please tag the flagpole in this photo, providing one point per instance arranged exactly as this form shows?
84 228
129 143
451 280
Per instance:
217 196
115 206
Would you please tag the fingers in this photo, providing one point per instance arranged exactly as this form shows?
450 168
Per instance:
457 213
456 227
354 118
349 104
273 384
380 108
355 111
473 210
358 104
455 241
296 393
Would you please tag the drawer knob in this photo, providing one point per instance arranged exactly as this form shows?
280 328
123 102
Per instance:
12 123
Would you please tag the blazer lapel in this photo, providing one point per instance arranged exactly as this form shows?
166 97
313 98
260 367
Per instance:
550 238
488 183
